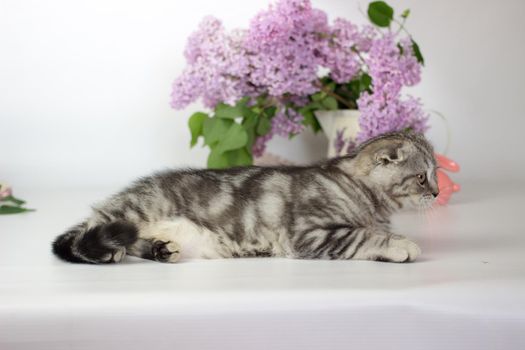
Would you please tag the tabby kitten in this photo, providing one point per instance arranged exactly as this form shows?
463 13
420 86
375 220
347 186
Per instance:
337 209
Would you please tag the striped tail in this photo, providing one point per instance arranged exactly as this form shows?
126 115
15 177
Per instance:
102 244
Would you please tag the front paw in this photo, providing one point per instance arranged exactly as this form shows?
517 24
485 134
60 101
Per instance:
165 251
399 249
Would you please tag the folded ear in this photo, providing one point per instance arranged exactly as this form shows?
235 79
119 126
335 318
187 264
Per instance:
389 154
379 152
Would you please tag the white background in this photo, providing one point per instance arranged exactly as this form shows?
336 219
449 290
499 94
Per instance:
85 85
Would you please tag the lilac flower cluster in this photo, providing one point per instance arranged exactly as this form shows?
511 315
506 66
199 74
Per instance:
217 63
339 53
384 110
379 116
282 42
279 56
287 122
259 145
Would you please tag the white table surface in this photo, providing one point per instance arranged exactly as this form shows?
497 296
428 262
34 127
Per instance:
467 290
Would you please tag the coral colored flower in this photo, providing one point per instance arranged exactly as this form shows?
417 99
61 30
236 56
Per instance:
5 191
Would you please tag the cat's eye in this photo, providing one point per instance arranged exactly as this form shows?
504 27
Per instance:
421 178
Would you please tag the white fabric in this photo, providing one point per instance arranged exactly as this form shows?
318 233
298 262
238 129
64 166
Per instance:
467 291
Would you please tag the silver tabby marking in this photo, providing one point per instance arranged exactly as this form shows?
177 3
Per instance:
338 209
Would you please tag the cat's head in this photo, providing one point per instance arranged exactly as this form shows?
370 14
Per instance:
403 166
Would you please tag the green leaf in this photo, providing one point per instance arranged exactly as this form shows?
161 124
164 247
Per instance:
318 96
249 124
225 111
417 52
241 109
263 126
214 129
365 82
239 157
195 124
217 160
330 103
310 119
400 48
235 137
270 111
315 105
249 111
12 199
260 100
405 13
380 13
355 87
243 101
11 209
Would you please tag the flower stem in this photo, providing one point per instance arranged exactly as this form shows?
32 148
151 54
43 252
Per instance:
402 28
361 58
339 98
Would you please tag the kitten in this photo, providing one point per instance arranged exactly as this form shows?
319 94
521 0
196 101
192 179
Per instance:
337 209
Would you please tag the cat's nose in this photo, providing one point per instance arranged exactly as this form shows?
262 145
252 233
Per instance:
435 194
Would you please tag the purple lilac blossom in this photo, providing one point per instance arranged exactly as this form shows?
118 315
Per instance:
217 66
287 121
383 66
379 116
384 110
408 64
279 55
338 51
282 42
259 146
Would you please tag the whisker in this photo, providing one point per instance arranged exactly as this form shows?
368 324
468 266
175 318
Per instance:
426 208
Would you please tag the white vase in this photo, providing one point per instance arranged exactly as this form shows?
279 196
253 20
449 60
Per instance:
343 120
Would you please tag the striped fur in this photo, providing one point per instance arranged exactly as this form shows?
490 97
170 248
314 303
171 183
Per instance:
338 209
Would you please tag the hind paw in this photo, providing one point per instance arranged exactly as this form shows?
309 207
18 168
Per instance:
114 257
166 251
119 254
